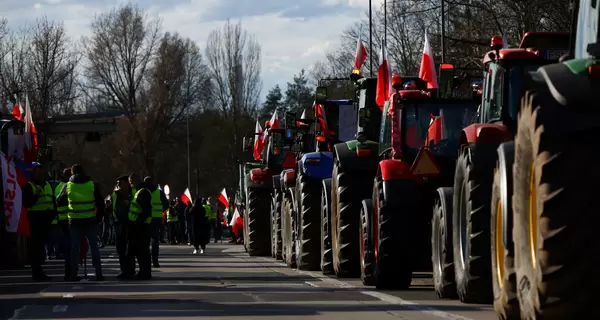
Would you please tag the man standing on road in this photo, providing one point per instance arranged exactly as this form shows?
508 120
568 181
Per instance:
180 210
39 199
159 205
140 216
63 222
121 200
86 207
211 216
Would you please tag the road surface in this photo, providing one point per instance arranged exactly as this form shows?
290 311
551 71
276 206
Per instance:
222 284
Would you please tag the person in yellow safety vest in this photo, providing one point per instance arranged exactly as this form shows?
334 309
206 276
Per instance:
39 199
63 222
211 216
173 224
121 201
140 217
86 207
159 205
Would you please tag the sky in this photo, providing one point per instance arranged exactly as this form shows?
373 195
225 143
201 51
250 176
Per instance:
293 35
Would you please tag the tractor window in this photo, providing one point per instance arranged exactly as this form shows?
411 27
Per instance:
587 27
385 136
514 81
438 124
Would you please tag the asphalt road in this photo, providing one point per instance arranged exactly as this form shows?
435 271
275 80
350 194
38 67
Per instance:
224 283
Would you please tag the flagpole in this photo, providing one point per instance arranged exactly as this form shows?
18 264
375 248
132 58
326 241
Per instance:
189 177
385 22
370 38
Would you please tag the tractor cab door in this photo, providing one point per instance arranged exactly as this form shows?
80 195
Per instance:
491 101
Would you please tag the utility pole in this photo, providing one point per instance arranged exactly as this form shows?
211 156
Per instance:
443 36
189 183
370 38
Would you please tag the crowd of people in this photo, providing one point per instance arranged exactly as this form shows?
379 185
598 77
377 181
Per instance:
73 214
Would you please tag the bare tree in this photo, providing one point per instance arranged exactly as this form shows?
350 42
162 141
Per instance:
13 66
120 53
52 64
234 61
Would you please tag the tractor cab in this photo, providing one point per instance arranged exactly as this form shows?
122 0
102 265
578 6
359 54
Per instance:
280 152
414 123
549 45
505 71
335 111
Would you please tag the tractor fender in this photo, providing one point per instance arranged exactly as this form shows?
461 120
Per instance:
506 157
393 169
259 177
485 133
288 178
568 96
348 159
320 170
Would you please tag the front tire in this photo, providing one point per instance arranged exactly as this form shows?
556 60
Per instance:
288 237
366 243
326 253
441 245
307 226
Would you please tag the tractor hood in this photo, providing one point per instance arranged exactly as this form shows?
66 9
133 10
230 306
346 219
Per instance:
317 164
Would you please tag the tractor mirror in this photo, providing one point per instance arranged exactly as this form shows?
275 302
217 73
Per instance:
321 95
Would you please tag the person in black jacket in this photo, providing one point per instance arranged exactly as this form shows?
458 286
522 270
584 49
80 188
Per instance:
200 226
139 240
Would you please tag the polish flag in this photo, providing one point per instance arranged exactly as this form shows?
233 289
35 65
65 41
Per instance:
31 137
258 142
320 113
236 214
361 54
13 180
186 197
274 121
384 79
427 71
17 112
223 198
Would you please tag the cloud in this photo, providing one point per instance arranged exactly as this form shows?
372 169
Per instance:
293 34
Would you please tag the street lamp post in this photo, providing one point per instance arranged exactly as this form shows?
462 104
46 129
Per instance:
189 177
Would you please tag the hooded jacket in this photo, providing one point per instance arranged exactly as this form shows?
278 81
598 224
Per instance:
63 200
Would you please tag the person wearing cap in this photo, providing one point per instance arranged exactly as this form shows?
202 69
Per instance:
39 199
159 205
140 216
63 221
121 201
86 207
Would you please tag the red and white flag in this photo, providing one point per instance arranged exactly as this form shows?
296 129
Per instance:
18 111
13 181
274 122
236 214
384 79
31 137
361 54
223 198
259 143
427 71
186 197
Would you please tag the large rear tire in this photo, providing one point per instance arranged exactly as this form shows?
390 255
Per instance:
259 237
288 232
276 225
504 277
471 225
394 234
308 229
366 243
441 245
556 220
346 194
326 253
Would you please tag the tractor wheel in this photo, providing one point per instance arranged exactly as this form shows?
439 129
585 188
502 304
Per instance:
394 235
308 230
346 194
366 243
555 231
326 254
287 232
441 245
471 225
504 277
276 225
259 239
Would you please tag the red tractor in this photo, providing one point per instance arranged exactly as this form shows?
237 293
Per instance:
461 228
419 134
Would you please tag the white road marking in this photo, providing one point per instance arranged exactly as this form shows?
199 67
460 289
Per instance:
311 284
60 308
413 305
379 295
68 295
